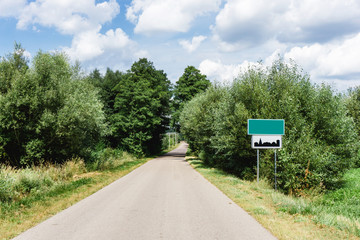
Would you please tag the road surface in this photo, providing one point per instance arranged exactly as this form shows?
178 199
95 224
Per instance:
163 199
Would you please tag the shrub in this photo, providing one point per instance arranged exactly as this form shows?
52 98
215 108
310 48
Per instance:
19 183
320 140
108 158
28 180
197 118
6 185
47 111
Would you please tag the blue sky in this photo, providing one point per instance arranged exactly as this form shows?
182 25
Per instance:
220 37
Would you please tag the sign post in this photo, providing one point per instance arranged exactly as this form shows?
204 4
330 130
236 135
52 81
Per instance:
275 171
266 134
257 165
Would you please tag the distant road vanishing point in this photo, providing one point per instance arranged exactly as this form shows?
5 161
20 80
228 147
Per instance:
163 199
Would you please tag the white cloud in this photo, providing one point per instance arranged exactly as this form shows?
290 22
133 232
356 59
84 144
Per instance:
331 60
241 24
320 21
246 23
92 44
193 45
224 73
153 16
313 12
11 8
335 63
27 54
68 16
83 20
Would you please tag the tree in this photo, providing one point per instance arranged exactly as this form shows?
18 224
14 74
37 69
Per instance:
47 112
320 141
189 84
107 95
141 108
106 86
353 106
15 63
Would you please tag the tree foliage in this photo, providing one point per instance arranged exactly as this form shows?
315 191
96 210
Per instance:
141 108
353 106
46 113
320 140
189 84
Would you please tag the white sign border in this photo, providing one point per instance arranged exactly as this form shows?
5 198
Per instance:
271 138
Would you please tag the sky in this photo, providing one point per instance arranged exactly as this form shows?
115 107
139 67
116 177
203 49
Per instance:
219 37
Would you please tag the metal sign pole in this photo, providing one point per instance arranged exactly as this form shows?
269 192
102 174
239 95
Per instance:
169 140
275 172
258 160
266 134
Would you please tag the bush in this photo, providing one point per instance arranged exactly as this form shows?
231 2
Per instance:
107 158
320 140
19 183
168 141
29 180
6 185
47 111
197 118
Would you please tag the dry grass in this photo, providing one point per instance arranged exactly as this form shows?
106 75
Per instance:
263 203
30 196
16 217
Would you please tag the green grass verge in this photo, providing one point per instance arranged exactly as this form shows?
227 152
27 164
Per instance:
334 215
41 201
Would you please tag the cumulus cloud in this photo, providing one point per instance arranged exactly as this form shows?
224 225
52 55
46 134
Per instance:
245 22
193 45
335 63
81 19
10 8
332 60
96 50
320 21
90 44
154 16
68 16
248 23
225 73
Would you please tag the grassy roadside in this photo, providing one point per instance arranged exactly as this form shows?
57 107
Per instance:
287 217
171 148
40 192
19 216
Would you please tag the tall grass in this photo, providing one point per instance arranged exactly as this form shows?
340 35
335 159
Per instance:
108 158
16 184
333 215
29 196
339 208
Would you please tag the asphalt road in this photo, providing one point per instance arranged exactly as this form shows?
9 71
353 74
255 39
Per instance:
163 199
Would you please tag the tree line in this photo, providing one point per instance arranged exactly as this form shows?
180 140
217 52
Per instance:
50 111
321 138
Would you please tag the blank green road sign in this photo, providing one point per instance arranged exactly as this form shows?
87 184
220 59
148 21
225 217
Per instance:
266 126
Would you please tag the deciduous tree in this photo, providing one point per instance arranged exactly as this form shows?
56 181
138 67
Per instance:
141 108
189 84
46 111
